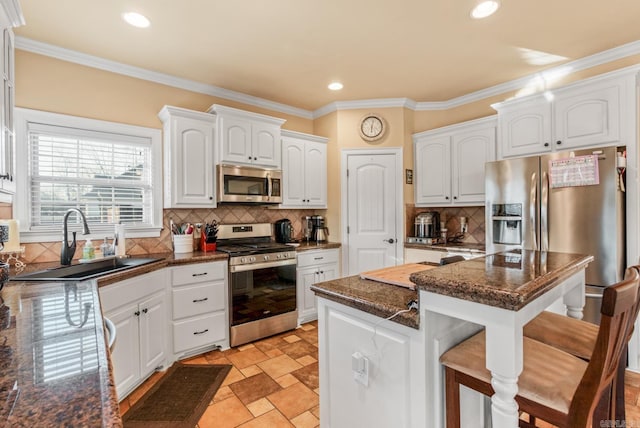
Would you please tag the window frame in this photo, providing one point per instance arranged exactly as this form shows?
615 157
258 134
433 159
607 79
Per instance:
22 198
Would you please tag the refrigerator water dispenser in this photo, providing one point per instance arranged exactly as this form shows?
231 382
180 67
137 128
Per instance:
507 223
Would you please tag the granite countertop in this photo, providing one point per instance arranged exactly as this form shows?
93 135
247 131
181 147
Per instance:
377 298
56 372
507 280
54 365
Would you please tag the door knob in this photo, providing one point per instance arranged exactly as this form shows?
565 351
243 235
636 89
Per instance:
390 240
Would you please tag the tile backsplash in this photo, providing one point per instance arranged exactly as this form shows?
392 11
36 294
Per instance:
50 251
451 217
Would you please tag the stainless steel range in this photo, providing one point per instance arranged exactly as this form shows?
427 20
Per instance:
262 282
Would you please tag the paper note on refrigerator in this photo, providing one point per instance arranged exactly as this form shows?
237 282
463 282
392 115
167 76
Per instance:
575 171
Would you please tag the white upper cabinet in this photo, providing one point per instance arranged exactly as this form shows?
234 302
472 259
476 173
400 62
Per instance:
304 170
10 16
189 158
246 138
590 113
449 163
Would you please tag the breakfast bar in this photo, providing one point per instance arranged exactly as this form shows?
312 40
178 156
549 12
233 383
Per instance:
394 369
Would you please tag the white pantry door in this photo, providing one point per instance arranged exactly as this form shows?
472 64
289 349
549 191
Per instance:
372 199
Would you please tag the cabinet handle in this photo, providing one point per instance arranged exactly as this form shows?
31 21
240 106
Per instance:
5 176
145 310
318 258
200 300
136 313
546 144
199 274
558 142
201 332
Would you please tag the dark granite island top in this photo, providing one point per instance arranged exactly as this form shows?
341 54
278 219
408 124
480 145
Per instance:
508 280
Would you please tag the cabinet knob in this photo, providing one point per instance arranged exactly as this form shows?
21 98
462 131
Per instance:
446 197
145 310
455 197
211 198
136 313
546 144
321 272
255 158
5 176
558 142
249 157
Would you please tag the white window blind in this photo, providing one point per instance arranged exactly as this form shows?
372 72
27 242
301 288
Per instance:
106 175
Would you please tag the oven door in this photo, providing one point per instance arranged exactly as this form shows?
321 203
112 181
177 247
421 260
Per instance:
262 290
246 184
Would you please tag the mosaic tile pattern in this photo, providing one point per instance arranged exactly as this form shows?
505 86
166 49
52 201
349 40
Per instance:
50 251
451 216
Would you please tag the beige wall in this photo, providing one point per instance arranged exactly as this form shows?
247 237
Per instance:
49 84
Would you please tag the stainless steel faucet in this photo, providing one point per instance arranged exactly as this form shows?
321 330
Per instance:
67 252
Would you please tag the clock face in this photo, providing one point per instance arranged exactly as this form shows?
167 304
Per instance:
372 127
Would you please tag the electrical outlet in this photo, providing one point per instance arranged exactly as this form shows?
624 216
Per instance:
360 367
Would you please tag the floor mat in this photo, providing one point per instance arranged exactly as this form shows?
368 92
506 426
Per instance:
178 399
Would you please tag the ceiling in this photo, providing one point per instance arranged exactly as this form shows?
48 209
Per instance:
288 51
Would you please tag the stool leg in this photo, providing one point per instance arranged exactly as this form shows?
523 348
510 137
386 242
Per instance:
452 393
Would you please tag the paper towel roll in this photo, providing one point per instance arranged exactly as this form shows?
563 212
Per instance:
13 244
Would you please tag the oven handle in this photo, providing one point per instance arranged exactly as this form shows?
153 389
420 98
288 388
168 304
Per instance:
256 266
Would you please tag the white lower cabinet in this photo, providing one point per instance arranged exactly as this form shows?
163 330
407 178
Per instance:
137 307
415 255
199 317
314 266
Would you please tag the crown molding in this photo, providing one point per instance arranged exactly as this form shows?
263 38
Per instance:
629 49
153 76
13 12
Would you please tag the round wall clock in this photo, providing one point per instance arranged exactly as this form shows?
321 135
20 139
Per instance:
372 127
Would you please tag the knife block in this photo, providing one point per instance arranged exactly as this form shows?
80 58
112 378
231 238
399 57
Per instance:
204 246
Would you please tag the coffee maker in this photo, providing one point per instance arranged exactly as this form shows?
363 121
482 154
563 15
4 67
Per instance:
427 225
319 231
307 227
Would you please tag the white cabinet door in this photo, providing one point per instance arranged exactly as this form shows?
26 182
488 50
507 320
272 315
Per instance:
432 170
153 327
125 355
293 172
587 118
315 174
304 171
189 158
306 297
525 129
236 140
470 152
194 173
266 145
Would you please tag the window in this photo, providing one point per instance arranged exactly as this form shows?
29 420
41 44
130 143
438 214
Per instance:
110 171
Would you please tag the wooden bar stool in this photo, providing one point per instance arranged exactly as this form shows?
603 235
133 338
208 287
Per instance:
578 338
554 386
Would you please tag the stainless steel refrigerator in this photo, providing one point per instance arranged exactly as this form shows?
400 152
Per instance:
530 204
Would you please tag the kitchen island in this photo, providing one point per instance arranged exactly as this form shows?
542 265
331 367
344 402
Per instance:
380 373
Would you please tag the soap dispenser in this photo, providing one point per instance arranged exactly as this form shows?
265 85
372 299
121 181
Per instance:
88 252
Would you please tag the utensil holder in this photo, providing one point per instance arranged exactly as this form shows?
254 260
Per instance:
183 243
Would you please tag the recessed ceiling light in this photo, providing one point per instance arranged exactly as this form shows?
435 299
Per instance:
485 8
136 19
335 86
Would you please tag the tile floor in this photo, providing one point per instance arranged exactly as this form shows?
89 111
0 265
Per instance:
274 383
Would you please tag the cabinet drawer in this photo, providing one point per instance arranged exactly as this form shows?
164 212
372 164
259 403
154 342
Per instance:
313 258
199 332
200 272
199 299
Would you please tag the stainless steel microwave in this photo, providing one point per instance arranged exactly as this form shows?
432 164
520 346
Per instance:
245 184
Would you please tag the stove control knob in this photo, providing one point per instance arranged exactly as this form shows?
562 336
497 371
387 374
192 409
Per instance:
243 260
252 259
266 258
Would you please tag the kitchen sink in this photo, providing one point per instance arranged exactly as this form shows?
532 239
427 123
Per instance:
84 271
